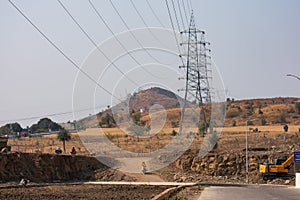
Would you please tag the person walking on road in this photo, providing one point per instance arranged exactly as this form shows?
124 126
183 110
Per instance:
144 168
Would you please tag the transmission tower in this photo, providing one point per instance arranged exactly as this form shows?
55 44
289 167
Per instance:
197 73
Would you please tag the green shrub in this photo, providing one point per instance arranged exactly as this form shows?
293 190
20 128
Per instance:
286 128
174 133
234 123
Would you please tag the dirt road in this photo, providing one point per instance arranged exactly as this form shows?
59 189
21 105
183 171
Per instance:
149 177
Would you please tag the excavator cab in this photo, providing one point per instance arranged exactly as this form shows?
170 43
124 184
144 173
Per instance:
279 161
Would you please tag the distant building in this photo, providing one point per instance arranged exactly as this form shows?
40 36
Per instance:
68 126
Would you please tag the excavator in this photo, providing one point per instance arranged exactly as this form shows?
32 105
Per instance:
279 168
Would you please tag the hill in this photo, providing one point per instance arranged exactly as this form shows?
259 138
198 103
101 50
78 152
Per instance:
147 98
272 111
140 101
268 111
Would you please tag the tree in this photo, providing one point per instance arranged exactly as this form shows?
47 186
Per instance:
174 133
10 128
233 123
108 120
4 130
44 125
64 136
286 128
16 127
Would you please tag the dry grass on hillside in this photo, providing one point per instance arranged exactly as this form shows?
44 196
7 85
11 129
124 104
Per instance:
276 129
230 138
274 111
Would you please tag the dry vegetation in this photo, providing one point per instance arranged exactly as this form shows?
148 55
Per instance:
45 144
230 138
275 112
224 164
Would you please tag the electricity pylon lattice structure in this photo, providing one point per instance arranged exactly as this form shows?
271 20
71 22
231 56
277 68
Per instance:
198 75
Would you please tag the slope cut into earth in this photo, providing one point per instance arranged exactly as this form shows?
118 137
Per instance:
57 168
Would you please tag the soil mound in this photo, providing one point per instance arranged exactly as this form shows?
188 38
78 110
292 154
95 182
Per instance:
47 167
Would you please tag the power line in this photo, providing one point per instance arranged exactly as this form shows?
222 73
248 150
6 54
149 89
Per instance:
144 22
175 13
184 10
93 42
178 4
155 15
49 115
58 49
191 5
292 75
111 31
177 21
172 24
128 28
188 6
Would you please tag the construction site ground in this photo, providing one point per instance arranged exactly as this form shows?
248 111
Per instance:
34 158
81 191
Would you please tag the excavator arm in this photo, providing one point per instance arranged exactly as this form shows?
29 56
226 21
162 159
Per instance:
288 162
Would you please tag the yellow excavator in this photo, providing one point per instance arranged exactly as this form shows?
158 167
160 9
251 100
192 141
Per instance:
279 168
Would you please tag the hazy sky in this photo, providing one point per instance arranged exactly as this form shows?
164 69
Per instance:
254 45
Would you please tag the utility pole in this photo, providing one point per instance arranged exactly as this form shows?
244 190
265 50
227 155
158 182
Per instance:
247 160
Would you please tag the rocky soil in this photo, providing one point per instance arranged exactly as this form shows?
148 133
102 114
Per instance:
55 168
226 167
216 167
75 192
